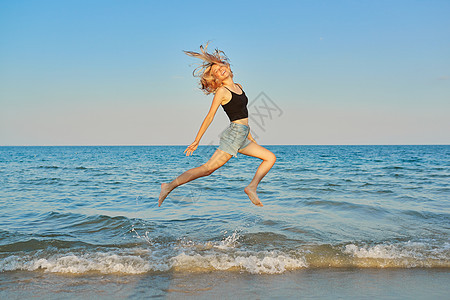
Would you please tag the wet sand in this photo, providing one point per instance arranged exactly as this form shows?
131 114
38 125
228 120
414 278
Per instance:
303 284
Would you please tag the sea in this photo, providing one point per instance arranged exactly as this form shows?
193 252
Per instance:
338 222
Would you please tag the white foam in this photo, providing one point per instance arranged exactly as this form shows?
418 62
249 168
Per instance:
227 255
264 262
378 251
83 263
393 251
409 254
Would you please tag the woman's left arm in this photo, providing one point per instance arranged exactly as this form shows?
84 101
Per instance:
218 97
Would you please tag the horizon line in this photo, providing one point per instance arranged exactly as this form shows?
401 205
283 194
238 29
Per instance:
178 145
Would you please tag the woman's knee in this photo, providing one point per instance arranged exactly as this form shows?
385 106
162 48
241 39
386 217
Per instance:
269 156
272 158
208 169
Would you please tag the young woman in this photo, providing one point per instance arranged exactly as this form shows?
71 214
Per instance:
216 77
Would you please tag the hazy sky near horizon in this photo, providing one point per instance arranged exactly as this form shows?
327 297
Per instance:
316 72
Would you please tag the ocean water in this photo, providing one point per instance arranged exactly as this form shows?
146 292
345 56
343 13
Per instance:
71 214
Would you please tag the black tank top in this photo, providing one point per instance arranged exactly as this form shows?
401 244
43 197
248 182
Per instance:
236 108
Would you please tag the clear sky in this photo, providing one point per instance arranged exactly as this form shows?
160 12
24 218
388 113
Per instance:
331 72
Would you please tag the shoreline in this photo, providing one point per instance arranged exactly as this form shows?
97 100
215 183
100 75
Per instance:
352 283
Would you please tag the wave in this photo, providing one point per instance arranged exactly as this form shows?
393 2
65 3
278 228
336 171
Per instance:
47 167
226 255
405 255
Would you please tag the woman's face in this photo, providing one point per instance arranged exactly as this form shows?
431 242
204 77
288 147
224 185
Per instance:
220 72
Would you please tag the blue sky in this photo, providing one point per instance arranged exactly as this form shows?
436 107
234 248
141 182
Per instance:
113 72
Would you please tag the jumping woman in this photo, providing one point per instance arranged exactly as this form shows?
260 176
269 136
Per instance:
216 77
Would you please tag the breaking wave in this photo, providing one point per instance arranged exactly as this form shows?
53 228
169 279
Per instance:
228 255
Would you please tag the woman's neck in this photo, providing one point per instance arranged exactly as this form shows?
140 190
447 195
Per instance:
228 82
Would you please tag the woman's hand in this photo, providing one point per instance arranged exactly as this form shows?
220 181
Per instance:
191 148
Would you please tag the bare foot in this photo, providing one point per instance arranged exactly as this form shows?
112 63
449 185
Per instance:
251 192
165 190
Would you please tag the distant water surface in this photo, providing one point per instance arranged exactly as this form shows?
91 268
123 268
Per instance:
93 210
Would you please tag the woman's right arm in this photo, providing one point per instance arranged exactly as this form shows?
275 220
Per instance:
218 97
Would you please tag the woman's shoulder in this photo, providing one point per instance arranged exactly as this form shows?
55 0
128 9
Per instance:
221 90
223 95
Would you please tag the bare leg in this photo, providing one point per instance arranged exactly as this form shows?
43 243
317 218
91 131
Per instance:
268 158
218 159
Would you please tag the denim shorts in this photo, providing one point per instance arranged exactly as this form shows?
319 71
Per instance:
234 138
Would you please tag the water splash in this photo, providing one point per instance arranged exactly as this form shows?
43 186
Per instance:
143 237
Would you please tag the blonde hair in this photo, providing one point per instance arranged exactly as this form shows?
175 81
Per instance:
209 84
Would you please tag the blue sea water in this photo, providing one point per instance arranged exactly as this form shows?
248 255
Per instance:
93 210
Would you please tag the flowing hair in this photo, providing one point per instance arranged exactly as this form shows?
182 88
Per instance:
208 83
